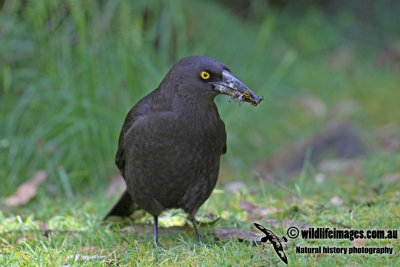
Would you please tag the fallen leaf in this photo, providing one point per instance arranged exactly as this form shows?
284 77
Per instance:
256 210
226 234
27 190
336 201
208 218
171 218
117 185
359 243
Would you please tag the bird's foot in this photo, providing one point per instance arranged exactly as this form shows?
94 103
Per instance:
157 246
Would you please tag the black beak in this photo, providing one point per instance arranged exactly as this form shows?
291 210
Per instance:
230 85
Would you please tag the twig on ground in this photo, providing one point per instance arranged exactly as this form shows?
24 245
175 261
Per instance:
42 231
275 182
339 223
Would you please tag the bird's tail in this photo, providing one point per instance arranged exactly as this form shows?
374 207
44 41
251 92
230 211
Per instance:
124 207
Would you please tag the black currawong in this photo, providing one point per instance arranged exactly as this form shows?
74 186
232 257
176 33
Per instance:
171 142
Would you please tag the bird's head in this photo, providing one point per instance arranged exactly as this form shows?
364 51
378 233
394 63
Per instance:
201 76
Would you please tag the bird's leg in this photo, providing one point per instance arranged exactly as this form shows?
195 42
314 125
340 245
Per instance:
197 231
155 232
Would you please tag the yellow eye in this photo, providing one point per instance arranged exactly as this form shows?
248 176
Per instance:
205 75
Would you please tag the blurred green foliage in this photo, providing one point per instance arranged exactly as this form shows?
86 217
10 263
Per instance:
71 70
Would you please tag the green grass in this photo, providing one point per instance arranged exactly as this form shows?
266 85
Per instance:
70 71
182 246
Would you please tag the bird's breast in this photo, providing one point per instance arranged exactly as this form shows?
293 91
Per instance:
174 155
170 139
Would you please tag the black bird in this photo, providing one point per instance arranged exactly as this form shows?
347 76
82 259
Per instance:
171 142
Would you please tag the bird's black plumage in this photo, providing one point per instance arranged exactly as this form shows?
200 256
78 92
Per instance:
171 142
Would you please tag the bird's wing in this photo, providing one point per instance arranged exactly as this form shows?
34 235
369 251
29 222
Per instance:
125 205
140 109
224 149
